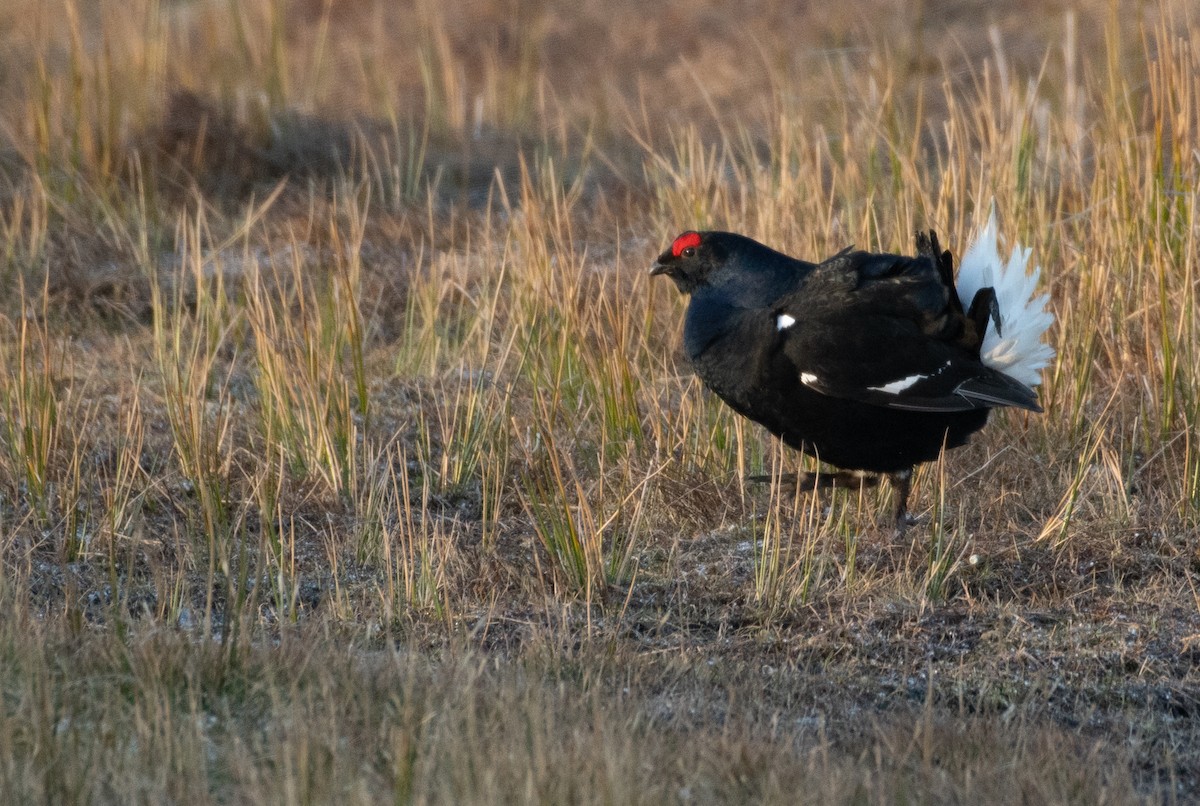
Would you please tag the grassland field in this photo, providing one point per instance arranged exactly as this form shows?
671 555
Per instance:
348 454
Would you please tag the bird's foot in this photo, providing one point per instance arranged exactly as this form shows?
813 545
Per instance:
903 522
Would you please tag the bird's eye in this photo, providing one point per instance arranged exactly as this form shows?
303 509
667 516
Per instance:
689 252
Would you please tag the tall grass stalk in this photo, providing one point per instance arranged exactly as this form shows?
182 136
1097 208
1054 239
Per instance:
191 331
124 481
786 540
276 561
308 352
588 531
32 409
417 544
946 543
467 426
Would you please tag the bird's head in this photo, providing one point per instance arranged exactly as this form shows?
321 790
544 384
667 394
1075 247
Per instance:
691 260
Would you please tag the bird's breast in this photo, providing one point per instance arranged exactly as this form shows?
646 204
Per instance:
728 346
706 326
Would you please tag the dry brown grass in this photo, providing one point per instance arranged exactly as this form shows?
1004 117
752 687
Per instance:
346 454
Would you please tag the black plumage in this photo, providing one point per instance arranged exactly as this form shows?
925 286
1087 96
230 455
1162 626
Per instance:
866 361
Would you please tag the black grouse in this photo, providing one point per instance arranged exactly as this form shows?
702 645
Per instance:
869 362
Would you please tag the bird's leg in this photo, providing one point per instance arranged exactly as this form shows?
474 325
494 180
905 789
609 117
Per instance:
902 484
807 482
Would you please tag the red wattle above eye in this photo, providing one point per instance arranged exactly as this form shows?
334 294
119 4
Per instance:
687 239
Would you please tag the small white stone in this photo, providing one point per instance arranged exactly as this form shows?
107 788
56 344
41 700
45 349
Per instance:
784 321
808 378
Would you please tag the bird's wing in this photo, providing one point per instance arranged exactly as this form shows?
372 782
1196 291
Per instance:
880 284
882 329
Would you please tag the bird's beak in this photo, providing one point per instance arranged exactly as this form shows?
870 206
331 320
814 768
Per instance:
662 264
